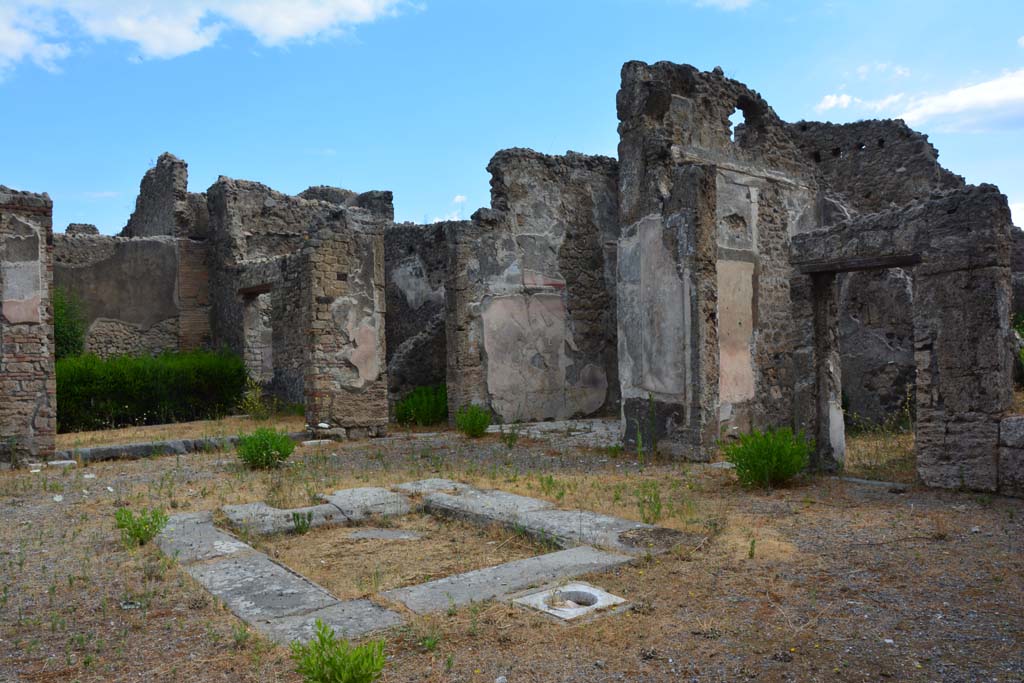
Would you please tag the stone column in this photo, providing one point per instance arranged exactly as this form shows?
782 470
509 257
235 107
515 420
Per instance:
345 379
830 434
28 388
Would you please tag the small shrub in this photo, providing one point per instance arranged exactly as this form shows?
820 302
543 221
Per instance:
97 393
253 403
473 421
648 500
769 458
139 529
68 324
264 448
511 437
425 406
326 659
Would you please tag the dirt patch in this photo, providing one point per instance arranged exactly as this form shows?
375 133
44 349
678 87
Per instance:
361 567
882 455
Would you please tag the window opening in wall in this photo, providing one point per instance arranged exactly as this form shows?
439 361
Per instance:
736 120
259 337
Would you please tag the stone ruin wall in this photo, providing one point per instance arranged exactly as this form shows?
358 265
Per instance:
529 313
146 291
706 318
28 402
868 167
959 243
415 270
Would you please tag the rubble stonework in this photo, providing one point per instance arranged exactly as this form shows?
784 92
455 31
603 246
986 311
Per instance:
729 272
28 402
536 335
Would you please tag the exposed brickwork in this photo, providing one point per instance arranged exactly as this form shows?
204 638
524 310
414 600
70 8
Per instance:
28 403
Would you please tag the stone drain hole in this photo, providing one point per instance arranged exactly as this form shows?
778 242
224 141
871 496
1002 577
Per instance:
572 601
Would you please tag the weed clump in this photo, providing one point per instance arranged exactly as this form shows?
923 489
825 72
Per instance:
264 448
473 421
139 529
327 659
424 406
769 458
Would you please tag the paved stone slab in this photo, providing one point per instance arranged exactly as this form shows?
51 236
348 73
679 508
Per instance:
484 507
260 518
256 588
191 536
319 442
386 535
568 528
425 486
350 619
62 463
358 504
504 580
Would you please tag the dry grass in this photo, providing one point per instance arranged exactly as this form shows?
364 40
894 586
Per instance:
353 568
886 455
805 583
228 426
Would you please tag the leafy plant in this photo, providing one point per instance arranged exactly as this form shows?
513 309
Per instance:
769 458
302 522
264 448
473 421
648 500
139 529
97 393
69 324
552 487
424 406
326 659
511 437
253 403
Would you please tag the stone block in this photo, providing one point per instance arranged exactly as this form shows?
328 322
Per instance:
504 580
191 537
260 518
1011 471
358 504
350 619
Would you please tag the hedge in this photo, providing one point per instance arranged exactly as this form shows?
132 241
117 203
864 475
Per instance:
97 393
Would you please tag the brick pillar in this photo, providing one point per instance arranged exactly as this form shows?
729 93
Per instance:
28 388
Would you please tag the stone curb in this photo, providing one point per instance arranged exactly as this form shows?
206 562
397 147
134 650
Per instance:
137 451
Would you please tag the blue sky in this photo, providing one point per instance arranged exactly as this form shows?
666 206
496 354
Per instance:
415 97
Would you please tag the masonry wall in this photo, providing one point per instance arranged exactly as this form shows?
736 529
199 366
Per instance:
139 296
28 403
706 316
530 314
415 270
867 167
961 324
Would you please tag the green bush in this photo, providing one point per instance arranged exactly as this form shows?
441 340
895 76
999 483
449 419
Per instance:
253 403
96 393
139 530
327 659
473 421
264 448
769 458
68 324
424 406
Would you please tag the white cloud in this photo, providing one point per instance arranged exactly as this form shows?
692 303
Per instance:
727 5
999 98
1020 41
459 199
1017 212
24 35
451 216
882 104
834 102
170 28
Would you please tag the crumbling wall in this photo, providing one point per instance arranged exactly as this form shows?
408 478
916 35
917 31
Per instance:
961 244
530 320
706 319
164 206
345 365
127 288
867 167
415 269
28 402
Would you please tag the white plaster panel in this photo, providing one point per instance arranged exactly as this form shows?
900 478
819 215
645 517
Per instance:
735 331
